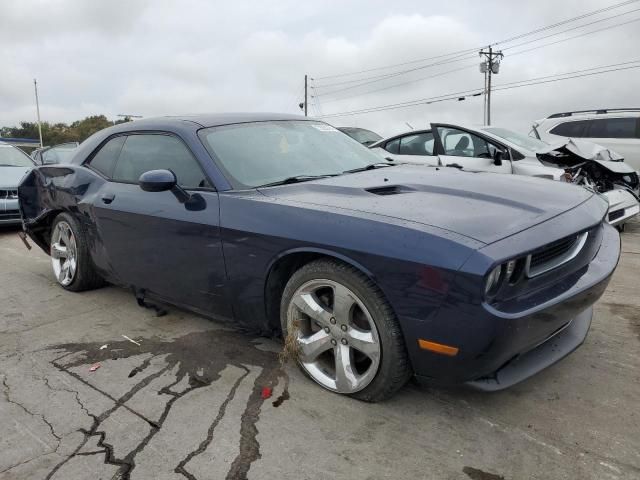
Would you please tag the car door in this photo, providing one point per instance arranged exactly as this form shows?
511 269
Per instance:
414 147
470 151
150 240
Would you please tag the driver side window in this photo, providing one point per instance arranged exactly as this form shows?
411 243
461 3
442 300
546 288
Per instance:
459 143
144 152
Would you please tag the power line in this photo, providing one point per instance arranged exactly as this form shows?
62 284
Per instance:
512 54
507 86
459 52
570 29
403 83
574 37
394 74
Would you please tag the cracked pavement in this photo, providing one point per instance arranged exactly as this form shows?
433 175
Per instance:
187 401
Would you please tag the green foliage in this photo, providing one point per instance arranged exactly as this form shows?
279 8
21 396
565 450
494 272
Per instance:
55 133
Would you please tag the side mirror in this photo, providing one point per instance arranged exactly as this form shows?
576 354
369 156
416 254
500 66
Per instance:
157 181
497 157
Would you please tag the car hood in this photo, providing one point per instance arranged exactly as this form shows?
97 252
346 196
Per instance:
10 176
482 206
583 149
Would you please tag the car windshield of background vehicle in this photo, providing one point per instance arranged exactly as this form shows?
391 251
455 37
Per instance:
13 157
58 154
254 154
365 137
518 139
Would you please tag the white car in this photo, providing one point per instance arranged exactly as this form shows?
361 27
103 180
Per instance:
499 150
617 129
14 164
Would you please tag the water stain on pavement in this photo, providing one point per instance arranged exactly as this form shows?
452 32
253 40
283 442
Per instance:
477 474
629 313
200 358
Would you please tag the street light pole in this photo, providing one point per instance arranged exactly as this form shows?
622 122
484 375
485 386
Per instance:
35 86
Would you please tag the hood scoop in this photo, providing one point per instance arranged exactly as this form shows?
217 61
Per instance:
390 190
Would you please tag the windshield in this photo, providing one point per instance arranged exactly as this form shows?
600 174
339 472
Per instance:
61 154
365 137
518 139
11 156
254 154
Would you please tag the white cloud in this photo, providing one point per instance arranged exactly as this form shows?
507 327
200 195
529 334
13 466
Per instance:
163 57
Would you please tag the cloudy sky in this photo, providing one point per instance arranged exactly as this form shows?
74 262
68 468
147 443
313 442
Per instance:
167 57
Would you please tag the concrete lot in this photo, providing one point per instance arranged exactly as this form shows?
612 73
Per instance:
187 401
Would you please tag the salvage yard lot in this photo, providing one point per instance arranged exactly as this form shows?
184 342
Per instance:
187 402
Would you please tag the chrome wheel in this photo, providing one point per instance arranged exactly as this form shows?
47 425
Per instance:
336 337
64 253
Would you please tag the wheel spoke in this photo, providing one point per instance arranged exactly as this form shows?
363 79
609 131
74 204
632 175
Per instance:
346 379
312 346
363 342
64 234
308 304
342 303
59 251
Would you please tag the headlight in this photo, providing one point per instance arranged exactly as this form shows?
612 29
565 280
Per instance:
510 271
493 280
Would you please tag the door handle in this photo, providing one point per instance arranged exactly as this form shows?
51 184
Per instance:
108 198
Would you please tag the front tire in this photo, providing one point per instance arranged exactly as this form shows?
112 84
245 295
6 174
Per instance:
70 258
347 338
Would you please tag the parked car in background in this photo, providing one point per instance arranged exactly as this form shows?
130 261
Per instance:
14 164
372 272
61 153
614 128
500 150
362 135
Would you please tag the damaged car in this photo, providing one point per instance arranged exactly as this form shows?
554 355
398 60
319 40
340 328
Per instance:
14 164
371 272
500 150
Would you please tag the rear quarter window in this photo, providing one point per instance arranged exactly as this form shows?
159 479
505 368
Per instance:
105 159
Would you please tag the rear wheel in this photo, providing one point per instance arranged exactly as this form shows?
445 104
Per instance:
70 257
347 338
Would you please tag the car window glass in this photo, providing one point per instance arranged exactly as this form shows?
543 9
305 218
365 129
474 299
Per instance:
459 143
393 146
142 153
569 129
105 159
418 144
612 128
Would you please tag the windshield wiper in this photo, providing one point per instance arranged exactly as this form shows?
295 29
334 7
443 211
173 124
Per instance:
296 179
371 166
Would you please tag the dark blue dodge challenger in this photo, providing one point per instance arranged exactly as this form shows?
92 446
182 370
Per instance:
374 272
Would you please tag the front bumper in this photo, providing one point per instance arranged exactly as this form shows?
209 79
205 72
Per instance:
500 347
9 213
623 206
537 359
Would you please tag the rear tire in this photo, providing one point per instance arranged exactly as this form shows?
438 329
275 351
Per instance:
70 257
346 335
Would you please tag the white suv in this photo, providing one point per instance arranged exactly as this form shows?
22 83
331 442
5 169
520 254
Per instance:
614 128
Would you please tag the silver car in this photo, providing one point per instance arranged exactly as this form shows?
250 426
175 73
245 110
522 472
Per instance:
14 164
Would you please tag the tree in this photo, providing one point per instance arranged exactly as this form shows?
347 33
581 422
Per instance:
53 134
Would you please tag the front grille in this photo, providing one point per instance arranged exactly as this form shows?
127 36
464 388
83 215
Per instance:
616 215
11 194
555 254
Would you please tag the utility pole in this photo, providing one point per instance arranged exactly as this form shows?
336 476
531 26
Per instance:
35 86
489 67
306 102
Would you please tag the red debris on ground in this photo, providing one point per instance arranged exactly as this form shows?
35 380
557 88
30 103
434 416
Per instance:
266 392
94 367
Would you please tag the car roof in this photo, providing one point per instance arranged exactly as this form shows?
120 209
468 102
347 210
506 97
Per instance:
590 114
216 119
